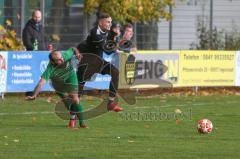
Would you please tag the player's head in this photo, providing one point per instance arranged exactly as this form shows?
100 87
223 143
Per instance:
37 16
128 31
104 21
56 57
116 28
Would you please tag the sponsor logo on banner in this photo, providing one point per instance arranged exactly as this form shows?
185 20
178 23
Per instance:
43 65
149 69
130 69
3 71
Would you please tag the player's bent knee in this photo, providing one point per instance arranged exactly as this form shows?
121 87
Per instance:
75 100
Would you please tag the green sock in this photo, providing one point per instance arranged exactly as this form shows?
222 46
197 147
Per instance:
68 104
77 108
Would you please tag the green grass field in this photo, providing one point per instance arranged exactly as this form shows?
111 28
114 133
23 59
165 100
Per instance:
32 130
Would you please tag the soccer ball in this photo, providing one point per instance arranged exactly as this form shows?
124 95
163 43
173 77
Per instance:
204 126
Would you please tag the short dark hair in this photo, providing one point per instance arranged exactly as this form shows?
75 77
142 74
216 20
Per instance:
128 25
115 25
102 15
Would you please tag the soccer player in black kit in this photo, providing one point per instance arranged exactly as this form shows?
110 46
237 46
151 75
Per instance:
92 61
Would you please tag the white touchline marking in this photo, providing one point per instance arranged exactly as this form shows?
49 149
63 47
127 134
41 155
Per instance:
144 107
26 113
184 105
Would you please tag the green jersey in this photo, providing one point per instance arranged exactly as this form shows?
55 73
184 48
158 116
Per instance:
62 72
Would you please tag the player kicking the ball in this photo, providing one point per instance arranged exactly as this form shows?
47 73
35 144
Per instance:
64 80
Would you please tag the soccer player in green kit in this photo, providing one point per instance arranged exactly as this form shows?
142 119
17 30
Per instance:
64 80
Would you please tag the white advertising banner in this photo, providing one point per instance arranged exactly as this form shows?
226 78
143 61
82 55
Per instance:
3 71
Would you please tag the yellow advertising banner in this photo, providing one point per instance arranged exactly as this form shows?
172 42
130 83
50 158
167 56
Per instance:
149 69
207 68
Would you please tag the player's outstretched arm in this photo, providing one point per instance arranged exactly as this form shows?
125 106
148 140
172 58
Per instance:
37 89
77 54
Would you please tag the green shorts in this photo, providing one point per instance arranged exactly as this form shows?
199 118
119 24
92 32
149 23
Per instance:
69 85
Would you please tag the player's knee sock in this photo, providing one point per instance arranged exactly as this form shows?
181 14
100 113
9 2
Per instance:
68 104
78 109
111 99
72 116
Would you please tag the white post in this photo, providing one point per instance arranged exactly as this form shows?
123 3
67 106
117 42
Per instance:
196 89
2 95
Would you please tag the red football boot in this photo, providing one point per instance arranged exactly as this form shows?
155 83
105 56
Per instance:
72 122
113 106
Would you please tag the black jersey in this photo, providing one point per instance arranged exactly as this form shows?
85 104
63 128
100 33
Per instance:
94 42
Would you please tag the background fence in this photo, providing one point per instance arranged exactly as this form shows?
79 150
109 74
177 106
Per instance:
196 24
